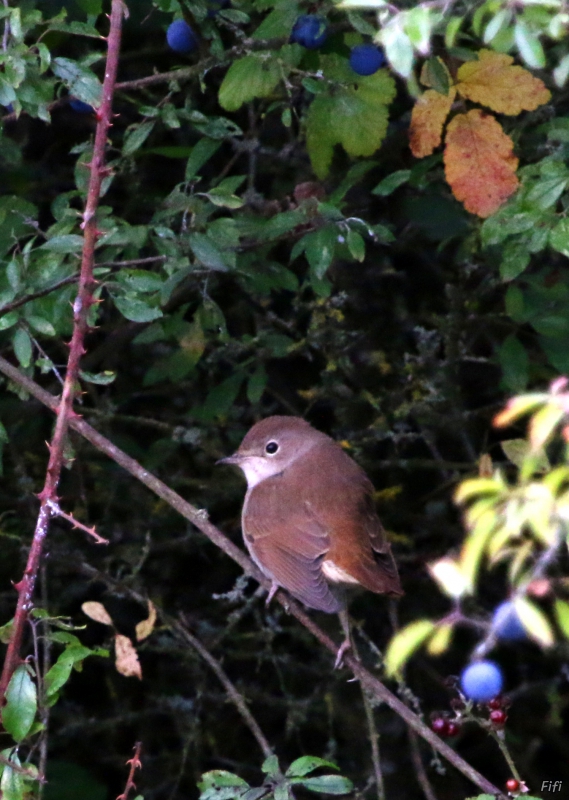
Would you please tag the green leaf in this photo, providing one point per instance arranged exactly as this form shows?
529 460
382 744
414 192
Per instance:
41 325
12 785
559 237
207 253
221 398
398 47
319 249
392 182
81 82
256 384
404 644
528 45
21 704
305 764
356 245
331 117
59 673
327 784
279 22
561 609
67 243
201 153
99 378
22 347
249 77
136 137
514 361
270 765
218 784
515 259
134 309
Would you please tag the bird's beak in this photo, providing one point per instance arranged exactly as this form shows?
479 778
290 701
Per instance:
236 458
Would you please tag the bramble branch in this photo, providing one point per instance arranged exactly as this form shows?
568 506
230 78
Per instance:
81 307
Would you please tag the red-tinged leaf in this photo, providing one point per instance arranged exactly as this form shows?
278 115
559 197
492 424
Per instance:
480 166
427 120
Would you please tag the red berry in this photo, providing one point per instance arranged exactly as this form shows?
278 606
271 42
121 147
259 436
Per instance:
452 729
495 703
440 725
512 785
498 717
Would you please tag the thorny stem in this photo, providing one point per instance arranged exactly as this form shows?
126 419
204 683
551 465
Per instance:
200 519
81 307
135 762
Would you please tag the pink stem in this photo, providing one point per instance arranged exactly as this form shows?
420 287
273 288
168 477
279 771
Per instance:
81 307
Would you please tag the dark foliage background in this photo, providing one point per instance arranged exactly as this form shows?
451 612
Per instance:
397 355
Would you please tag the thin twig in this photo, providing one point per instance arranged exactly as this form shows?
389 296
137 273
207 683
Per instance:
81 308
35 295
420 771
236 698
199 518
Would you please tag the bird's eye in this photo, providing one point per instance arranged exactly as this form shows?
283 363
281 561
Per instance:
271 448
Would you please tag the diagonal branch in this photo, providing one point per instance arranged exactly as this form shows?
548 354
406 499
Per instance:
199 518
81 308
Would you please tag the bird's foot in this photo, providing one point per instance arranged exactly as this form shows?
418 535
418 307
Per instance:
344 647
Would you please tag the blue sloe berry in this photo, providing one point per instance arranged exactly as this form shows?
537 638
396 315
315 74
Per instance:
365 59
181 38
481 681
309 30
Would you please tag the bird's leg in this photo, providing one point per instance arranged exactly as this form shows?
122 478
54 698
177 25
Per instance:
272 592
348 643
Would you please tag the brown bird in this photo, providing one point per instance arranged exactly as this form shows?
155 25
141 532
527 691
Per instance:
309 520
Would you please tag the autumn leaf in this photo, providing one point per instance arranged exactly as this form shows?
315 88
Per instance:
427 119
146 626
126 658
480 166
494 82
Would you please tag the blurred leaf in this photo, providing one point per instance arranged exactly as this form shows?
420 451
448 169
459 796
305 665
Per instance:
21 705
22 347
405 642
534 621
327 784
306 764
561 609
514 361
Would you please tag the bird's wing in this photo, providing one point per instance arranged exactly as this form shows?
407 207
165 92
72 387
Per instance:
343 506
290 548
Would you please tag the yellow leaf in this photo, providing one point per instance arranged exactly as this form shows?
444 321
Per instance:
517 407
561 609
534 621
440 639
97 612
448 574
405 642
146 626
480 166
495 82
126 658
427 119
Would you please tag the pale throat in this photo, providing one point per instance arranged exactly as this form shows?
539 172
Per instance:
258 468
